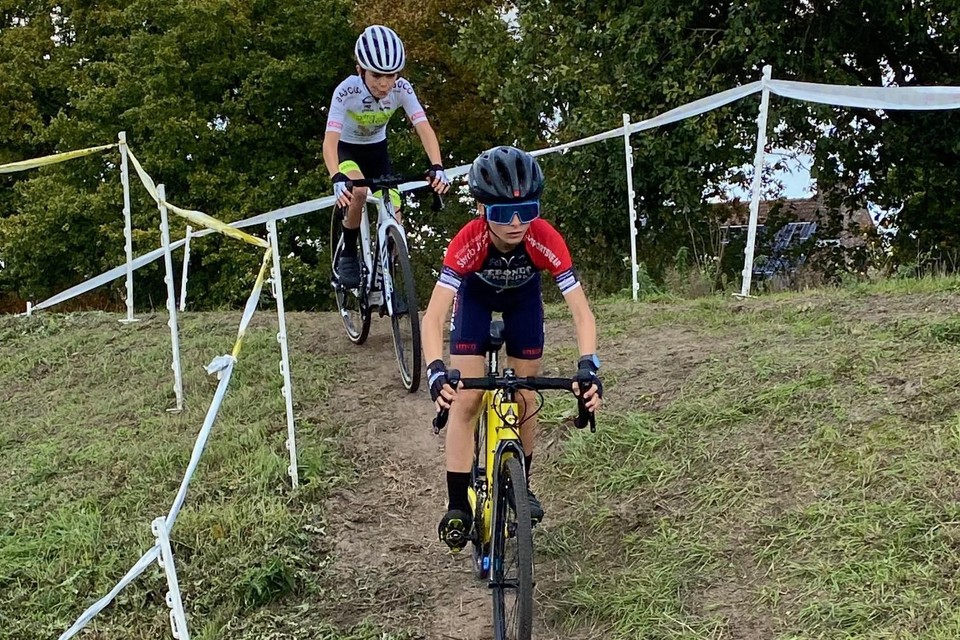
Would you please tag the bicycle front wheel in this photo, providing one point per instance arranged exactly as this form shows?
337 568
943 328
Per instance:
406 316
351 303
512 583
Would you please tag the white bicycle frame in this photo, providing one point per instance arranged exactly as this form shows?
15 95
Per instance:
386 218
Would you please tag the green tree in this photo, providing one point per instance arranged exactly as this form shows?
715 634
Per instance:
223 101
561 69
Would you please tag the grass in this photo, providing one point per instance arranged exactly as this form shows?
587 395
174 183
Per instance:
89 457
783 467
800 483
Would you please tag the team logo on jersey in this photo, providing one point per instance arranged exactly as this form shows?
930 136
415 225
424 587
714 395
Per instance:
348 91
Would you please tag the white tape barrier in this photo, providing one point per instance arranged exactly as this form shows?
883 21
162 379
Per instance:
145 561
107 276
698 107
920 98
309 206
910 98
222 366
283 213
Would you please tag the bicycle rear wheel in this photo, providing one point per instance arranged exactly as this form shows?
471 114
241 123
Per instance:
352 303
512 584
406 316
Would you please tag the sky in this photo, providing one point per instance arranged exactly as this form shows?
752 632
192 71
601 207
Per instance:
795 178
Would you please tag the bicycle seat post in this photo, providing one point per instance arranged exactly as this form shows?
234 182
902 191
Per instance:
494 342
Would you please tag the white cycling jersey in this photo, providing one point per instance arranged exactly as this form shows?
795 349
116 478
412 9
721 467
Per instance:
360 118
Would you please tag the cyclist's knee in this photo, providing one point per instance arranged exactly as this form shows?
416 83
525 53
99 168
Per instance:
528 397
360 195
468 402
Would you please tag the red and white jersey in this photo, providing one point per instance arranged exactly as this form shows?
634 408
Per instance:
543 249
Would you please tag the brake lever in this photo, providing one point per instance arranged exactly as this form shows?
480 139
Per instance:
437 204
584 415
440 420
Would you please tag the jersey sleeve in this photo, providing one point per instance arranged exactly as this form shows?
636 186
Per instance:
338 109
465 254
548 252
408 98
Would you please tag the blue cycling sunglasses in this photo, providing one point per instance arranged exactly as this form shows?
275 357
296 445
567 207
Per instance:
503 213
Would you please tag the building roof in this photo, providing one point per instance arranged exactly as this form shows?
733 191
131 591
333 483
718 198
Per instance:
794 209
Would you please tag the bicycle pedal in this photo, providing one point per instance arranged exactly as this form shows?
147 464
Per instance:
374 298
455 536
455 540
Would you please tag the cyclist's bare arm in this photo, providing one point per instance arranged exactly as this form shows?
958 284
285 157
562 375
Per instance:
433 319
428 137
431 331
586 329
583 320
331 159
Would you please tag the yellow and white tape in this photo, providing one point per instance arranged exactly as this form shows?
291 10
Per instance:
197 217
252 301
23 165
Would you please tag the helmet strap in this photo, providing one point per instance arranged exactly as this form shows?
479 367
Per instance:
363 76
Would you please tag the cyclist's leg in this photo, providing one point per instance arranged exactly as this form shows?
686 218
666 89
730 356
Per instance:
523 336
469 327
353 160
384 166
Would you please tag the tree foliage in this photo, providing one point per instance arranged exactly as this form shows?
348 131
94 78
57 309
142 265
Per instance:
225 102
562 69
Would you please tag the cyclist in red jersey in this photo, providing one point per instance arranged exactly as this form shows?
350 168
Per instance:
494 264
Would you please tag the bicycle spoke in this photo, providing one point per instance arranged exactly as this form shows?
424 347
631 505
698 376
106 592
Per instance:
512 577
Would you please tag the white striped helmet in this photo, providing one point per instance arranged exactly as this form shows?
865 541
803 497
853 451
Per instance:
379 49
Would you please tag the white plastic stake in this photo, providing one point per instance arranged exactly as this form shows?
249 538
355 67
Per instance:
755 190
171 298
287 390
29 309
186 265
178 619
631 204
127 224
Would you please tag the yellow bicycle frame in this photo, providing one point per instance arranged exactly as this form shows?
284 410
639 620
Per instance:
502 437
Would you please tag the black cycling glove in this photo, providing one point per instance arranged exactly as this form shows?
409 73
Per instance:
587 369
437 378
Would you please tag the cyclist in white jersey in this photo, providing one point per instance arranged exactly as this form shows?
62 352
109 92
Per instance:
355 143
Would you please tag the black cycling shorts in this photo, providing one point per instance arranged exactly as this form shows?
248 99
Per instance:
522 310
373 160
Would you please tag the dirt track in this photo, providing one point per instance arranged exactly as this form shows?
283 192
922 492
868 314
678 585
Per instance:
385 525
